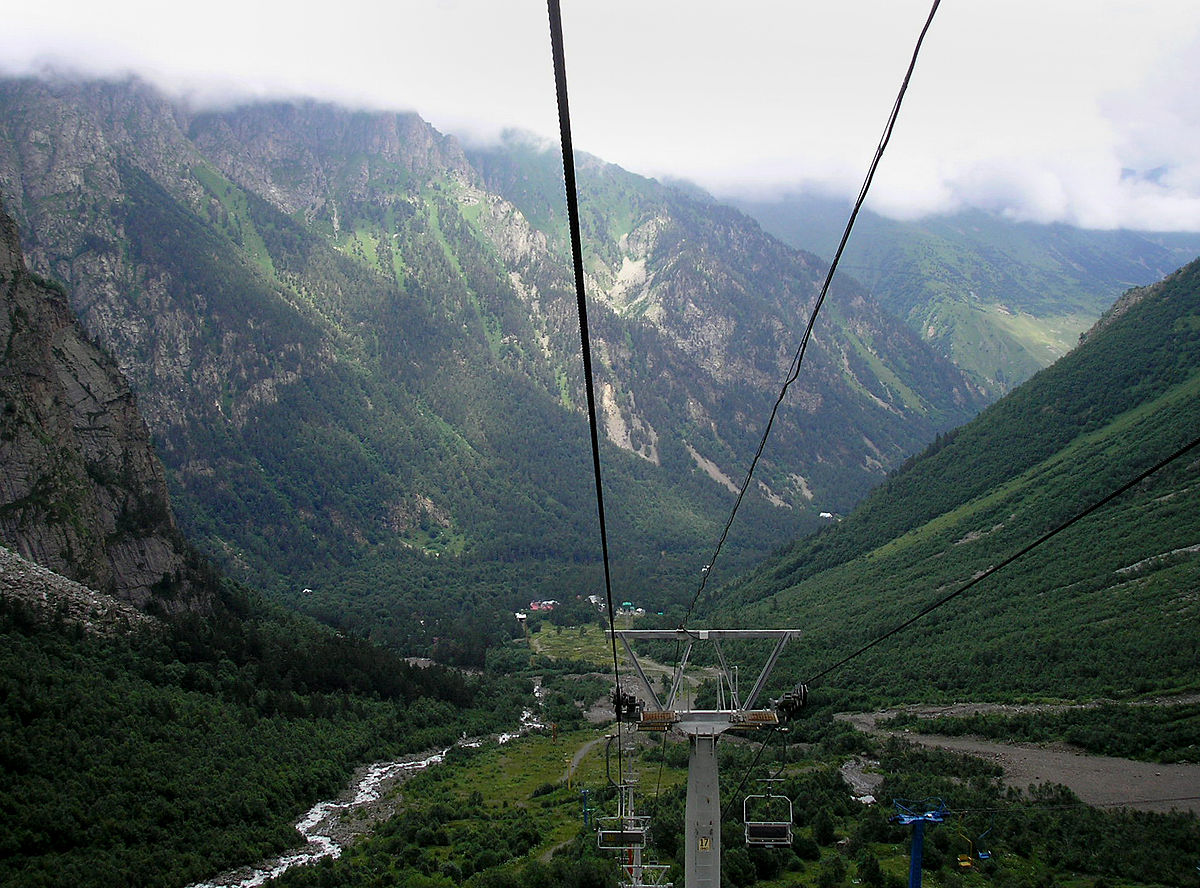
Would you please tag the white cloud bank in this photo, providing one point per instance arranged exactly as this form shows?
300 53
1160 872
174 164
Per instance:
1081 111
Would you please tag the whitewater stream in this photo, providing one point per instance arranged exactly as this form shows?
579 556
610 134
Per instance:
327 827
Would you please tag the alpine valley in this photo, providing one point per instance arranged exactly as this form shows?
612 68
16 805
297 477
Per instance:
353 344
357 350
1001 298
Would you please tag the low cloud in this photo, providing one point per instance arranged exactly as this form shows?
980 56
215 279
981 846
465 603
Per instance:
1080 112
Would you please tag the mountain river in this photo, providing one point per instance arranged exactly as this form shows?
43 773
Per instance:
331 824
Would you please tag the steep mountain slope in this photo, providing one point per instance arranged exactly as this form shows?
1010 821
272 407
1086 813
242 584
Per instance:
136 750
1109 606
81 490
1000 298
359 356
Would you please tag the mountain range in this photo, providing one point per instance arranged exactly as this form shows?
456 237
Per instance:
355 347
159 751
1000 298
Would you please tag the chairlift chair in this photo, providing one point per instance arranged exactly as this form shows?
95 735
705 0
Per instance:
770 828
966 861
983 853
622 833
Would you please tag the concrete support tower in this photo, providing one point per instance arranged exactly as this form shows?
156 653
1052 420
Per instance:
703 727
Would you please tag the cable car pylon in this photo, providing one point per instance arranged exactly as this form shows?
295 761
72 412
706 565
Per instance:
628 834
703 727
909 814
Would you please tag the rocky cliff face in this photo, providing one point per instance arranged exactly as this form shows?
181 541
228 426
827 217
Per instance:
81 491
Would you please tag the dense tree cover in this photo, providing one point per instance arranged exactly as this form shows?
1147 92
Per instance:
436 476
1047 828
410 853
195 263
162 758
415 516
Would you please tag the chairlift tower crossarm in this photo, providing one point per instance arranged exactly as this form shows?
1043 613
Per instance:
702 727
687 638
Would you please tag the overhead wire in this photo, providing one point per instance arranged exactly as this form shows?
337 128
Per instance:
801 349
554 11
979 578
798 357
746 776
564 124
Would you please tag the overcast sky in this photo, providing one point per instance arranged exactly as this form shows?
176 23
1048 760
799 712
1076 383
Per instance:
1083 111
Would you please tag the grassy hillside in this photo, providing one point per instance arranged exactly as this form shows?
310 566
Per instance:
1106 608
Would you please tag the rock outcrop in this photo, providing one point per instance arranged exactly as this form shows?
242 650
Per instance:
81 490
48 597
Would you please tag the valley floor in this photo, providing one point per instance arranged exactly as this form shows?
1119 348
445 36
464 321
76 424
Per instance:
1097 780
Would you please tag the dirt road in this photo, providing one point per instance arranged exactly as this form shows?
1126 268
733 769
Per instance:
1096 779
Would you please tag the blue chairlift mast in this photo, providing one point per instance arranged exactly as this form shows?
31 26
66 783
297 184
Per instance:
916 815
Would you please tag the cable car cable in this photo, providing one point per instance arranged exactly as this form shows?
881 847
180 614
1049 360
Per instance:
797 359
661 761
1010 559
802 348
568 152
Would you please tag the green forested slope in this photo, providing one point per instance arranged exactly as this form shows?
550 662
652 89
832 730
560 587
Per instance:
1107 607
163 757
